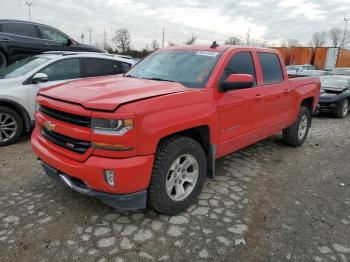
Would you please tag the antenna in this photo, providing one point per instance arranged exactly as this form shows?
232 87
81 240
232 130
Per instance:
214 45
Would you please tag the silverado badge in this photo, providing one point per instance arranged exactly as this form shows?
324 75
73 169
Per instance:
49 125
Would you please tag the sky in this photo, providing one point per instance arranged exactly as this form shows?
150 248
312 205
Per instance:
267 20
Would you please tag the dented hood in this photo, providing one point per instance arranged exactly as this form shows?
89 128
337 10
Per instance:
107 93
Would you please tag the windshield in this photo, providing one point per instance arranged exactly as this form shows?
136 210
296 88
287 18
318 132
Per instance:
335 82
22 67
188 67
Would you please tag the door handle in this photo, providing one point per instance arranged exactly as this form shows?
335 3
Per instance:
258 96
49 44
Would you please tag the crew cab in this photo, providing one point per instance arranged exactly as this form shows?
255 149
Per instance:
151 136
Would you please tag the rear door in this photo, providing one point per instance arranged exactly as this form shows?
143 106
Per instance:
240 111
278 94
23 40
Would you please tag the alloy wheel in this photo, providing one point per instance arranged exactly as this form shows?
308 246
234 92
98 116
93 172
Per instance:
8 127
302 127
182 177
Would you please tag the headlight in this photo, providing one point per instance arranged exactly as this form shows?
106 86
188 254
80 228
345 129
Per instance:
111 127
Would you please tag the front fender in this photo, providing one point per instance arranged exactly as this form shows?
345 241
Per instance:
158 125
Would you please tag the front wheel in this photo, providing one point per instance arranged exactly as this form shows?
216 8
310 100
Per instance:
178 175
343 109
297 133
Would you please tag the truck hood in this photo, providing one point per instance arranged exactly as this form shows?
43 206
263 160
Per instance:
107 93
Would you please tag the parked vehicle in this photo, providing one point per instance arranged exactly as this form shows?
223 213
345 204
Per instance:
21 39
297 69
335 95
20 82
152 135
305 73
341 71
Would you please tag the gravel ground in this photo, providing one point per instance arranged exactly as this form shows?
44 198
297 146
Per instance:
268 202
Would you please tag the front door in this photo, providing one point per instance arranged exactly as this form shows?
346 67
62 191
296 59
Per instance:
240 111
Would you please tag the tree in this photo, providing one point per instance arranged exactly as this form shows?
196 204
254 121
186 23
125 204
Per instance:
290 43
154 45
232 40
191 41
335 35
319 39
122 39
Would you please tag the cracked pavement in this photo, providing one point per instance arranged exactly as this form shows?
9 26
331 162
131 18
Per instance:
268 202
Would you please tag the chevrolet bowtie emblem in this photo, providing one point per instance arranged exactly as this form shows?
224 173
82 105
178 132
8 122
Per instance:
49 125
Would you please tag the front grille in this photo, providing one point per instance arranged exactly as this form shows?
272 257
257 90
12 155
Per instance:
69 143
66 117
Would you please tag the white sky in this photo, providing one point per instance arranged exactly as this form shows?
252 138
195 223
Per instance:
268 20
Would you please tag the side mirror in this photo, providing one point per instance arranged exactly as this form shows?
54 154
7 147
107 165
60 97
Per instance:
40 78
69 42
237 81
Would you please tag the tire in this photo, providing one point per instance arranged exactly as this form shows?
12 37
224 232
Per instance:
172 155
11 126
3 60
297 133
343 109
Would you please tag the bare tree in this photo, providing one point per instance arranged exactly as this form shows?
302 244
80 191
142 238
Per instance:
191 41
122 39
232 40
318 39
154 45
335 35
290 43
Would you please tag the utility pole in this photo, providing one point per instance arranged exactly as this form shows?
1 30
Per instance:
82 37
248 36
111 37
345 29
104 39
163 37
29 4
90 35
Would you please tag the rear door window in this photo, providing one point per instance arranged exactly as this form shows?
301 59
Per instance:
101 67
63 70
271 68
21 29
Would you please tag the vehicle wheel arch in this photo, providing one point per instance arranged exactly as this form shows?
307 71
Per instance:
202 135
308 103
20 110
2 50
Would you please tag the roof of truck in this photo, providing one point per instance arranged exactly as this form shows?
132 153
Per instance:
220 48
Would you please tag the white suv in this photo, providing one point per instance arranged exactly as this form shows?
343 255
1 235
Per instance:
21 81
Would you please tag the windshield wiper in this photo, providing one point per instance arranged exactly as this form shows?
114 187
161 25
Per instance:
159 79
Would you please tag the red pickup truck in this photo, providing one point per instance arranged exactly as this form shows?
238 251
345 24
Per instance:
151 136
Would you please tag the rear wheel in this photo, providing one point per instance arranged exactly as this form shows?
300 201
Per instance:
297 133
343 109
178 175
3 60
11 126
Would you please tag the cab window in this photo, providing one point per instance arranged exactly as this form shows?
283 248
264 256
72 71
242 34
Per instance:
241 63
271 68
101 67
63 70
51 34
21 29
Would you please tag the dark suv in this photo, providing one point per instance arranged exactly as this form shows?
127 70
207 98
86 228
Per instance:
20 39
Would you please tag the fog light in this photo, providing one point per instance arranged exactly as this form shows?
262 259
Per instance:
109 177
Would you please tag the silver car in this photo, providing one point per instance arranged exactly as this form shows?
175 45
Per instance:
21 81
